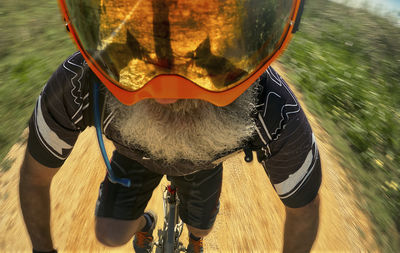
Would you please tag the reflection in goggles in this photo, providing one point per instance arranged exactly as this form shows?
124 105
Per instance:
213 43
217 67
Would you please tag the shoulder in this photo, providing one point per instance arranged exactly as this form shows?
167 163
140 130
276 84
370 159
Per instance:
271 83
66 94
275 95
276 105
72 74
71 81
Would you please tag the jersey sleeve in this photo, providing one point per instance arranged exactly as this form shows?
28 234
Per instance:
292 159
57 119
293 165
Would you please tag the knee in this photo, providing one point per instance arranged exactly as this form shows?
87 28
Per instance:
108 236
199 232
113 234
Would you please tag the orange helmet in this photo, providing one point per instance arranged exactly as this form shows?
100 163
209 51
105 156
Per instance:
176 49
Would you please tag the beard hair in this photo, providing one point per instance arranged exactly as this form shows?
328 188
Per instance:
189 129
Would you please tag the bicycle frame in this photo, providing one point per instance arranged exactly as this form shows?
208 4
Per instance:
168 237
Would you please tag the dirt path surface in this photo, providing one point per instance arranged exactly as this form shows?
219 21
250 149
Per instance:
250 220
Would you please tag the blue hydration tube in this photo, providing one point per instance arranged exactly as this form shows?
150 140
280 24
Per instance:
97 118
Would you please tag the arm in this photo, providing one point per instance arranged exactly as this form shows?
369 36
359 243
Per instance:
34 186
54 127
301 226
290 157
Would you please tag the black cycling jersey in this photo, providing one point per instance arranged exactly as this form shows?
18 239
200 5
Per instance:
284 140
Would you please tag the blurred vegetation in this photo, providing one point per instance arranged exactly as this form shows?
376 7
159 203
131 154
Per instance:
33 42
346 62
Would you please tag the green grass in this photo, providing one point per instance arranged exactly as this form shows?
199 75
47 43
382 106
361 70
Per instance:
6 164
33 42
347 64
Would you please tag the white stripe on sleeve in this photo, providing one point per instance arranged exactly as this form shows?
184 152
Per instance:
48 136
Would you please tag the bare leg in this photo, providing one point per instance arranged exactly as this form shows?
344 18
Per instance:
112 232
198 232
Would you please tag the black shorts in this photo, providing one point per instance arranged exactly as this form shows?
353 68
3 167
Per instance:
198 193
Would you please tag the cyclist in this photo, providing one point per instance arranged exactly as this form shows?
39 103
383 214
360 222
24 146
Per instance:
184 84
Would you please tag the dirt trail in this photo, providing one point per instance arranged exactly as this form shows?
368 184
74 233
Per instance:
250 220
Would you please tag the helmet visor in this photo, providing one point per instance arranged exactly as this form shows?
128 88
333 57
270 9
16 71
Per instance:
215 43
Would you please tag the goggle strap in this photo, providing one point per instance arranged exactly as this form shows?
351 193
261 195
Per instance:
298 17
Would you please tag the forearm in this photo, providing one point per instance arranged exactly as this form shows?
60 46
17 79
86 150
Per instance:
34 191
35 205
301 227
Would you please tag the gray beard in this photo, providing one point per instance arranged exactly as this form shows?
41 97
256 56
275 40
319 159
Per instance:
193 130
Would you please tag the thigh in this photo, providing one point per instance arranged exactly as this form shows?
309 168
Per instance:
123 203
199 197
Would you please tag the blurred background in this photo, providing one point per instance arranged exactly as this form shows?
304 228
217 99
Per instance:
345 61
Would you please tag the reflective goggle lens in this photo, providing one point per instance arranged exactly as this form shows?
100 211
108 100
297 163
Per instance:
215 44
